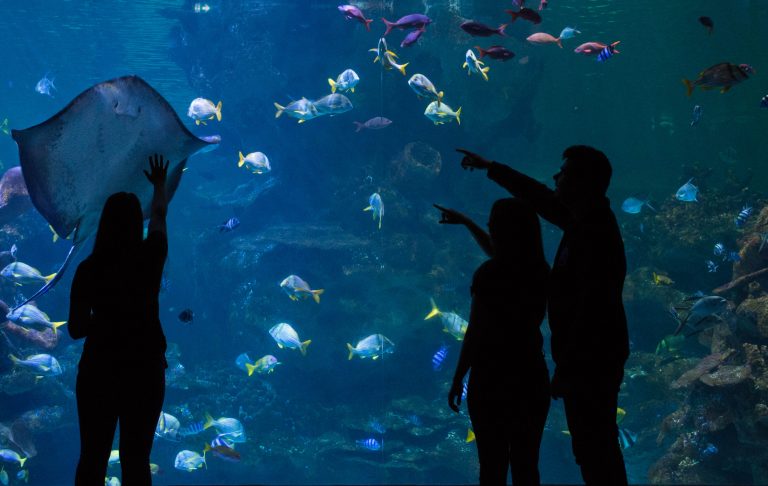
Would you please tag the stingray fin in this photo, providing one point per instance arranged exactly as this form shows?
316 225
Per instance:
56 277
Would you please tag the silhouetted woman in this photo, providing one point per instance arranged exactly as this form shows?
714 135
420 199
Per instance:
114 306
508 391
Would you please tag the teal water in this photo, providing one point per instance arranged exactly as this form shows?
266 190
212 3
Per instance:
306 217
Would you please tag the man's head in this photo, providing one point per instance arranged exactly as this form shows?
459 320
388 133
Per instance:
584 175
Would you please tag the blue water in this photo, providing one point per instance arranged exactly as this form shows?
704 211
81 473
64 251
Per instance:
305 217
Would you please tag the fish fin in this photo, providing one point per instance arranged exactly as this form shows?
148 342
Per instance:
369 208
218 111
249 367
500 30
389 26
22 461
197 122
55 234
280 110
434 312
208 421
391 53
513 14
13 358
57 325
352 89
470 436
458 116
368 24
49 277
351 351
303 347
241 162
401 68
359 126
333 85
482 51
380 217
279 345
559 42
725 89
440 97
302 121
465 65
688 86
316 294
484 72
376 59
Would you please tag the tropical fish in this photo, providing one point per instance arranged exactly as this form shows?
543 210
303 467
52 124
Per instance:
687 192
627 438
376 206
696 115
167 427
8 455
21 273
223 452
186 316
332 104
371 444
424 88
194 429
706 308
242 360
711 266
227 426
733 256
45 85
708 23
351 12
296 288
375 123
442 113
723 76
286 337
568 33
42 364
719 249
661 279
387 57
670 344
595 48
525 13
607 53
496 52
633 205
346 81
476 29
544 38
374 346
302 110
439 357
30 315
256 162
473 65
229 225
263 365
412 21
189 461
453 324
202 109
743 215
412 37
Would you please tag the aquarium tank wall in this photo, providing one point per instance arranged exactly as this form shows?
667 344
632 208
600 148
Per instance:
338 192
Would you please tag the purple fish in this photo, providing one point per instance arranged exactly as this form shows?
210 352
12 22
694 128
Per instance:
412 21
351 12
412 37
481 30
376 123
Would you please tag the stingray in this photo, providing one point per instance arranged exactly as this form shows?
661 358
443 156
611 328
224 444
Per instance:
96 146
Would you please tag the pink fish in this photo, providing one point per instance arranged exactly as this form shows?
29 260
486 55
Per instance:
351 12
544 38
593 48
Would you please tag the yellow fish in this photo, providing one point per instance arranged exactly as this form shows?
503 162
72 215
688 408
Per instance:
662 279
470 436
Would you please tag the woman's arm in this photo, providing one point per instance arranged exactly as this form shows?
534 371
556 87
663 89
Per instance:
79 321
451 216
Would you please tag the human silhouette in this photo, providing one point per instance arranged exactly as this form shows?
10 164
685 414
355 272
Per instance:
508 391
114 306
590 342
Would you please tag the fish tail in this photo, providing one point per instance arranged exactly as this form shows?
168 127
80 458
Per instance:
389 26
434 312
218 111
514 14
351 351
241 161
303 347
465 65
458 116
368 24
482 51
688 86
316 294
333 85
484 72
470 436
49 277
559 42
359 126
280 110
249 367
57 325
501 29
22 461
208 421
380 217
401 68
13 358
613 46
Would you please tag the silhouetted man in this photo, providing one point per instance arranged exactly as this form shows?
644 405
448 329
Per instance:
586 315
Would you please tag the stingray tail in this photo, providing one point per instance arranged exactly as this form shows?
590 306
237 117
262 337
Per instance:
53 279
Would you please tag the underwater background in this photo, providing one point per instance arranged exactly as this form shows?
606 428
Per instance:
694 410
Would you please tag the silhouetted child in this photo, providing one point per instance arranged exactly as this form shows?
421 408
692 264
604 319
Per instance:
114 306
508 391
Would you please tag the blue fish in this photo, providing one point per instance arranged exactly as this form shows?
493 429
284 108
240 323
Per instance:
606 53
371 444
45 85
764 102
698 112
687 192
719 249
711 266
222 441
627 438
633 205
231 224
377 426
464 391
193 429
743 215
568 33
439 357
709 451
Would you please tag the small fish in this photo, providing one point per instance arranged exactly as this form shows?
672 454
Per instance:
227 426
230 225
296 288
353 13
687 192
223 452
607 52
167 427
375 123
346 81
263 365
670 345
719 249
633 205
470 436
302 110
424 88
496 52
371 444
704 309
711 266
202 109
763 102
45 85
21 273
627 438
4 127
194 429
595 48
743 215
453 324
41 364
439 357
4 476
242 360
568 33
476 29
30 315
186 316
707 23
473 65
23 475
525 13
286 337
374 346
8 455
698 112
544 38
256 162
440 114
709 451
661 279
724 76
333 104
412 37
188 461
412 21
375 204
387 57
